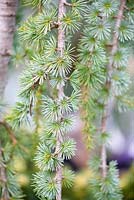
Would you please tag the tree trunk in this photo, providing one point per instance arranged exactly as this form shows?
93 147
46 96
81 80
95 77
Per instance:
7 28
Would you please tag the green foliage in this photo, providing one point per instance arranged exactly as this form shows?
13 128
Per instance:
68 177
48 67
94 75
45 159
19 114
35 3
45 185
71 21
68 148
125 103
87 74
94 56
107 188
13 187
8 179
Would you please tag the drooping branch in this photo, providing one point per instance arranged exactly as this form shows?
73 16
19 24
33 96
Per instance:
60 49
110 70
7 28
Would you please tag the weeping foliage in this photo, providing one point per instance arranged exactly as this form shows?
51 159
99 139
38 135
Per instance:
92 73
9 186
47 67
47 72
94 49
108 188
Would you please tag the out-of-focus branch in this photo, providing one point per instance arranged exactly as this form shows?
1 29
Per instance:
3 177
110 69
9 131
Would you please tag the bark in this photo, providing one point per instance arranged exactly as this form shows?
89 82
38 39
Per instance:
60 49
7 28
110 71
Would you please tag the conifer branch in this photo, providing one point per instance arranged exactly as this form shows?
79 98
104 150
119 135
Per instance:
60 49
110 69
51 64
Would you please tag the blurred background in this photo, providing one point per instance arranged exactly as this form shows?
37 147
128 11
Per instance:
120 126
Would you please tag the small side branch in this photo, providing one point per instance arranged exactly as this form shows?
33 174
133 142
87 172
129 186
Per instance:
54 25
67 4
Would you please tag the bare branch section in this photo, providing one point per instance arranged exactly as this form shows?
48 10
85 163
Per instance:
60 49
7 28
110 69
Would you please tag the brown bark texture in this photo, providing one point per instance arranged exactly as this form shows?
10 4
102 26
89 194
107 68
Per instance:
60 49
7 28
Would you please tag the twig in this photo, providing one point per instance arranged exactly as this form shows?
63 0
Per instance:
54 25
67 4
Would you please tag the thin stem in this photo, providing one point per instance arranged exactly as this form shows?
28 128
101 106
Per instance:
68 4
110 70
60 49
